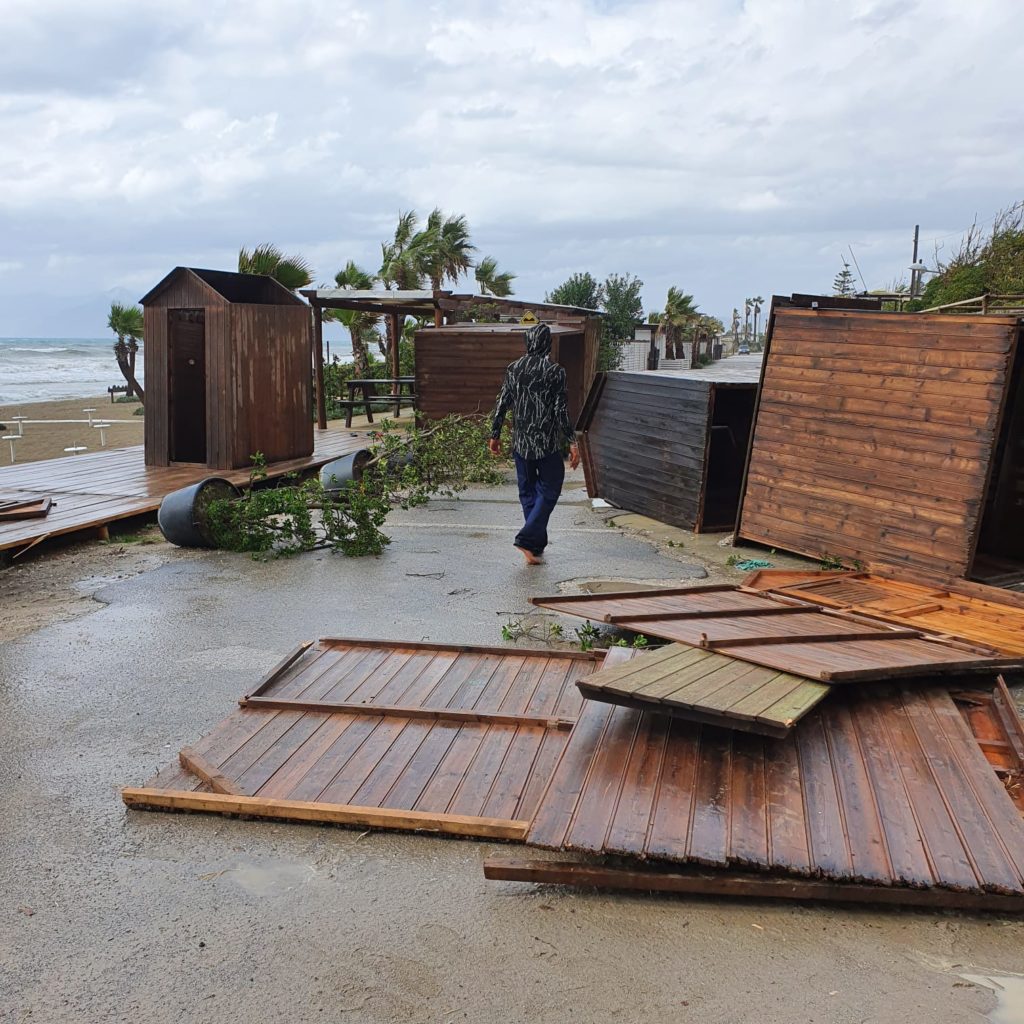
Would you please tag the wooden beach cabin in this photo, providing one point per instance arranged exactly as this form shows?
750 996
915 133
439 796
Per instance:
460 367
671 444
228 370
896 439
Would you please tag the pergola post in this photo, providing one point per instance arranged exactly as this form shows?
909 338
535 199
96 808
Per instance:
318 365
397 319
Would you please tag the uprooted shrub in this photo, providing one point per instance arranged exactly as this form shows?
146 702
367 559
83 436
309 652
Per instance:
407 466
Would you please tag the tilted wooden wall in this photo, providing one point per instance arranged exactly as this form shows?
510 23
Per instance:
646 437
875 436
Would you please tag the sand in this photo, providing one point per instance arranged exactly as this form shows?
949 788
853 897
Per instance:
48 440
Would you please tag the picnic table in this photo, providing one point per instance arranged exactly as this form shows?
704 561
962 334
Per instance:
370 395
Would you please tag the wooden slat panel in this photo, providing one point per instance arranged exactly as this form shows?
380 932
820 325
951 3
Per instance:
856 649
982 617
475 743
875 436
868 788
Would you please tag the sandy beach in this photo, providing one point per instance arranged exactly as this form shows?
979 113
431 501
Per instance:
47 440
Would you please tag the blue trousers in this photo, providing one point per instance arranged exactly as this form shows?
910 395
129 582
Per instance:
540 484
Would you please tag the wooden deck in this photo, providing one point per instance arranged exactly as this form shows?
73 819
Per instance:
91 491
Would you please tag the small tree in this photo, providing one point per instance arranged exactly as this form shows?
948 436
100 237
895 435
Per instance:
844 284
623 311
126 322
581 290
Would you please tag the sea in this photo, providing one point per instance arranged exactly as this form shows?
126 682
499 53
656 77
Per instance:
47 369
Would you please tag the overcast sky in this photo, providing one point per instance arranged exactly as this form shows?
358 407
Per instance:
729 148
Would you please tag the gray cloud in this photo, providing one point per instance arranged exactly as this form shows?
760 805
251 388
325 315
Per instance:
728 148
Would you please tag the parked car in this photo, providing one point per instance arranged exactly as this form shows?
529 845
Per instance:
743 350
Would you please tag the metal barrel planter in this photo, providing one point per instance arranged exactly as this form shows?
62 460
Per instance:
182 518
337 475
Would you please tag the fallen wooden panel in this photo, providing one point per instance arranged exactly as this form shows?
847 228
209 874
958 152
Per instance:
703 686
433 737
986 615
892 438
24 508
671 444
743 885
886 787
782 634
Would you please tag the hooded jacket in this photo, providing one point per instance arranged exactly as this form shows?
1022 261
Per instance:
534 393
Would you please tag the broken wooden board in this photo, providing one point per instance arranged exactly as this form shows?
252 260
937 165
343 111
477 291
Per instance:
430 737
997 727
780 633
984 615
743 885
884 786
703 686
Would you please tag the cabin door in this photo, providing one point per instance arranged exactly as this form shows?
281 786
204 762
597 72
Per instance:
186 358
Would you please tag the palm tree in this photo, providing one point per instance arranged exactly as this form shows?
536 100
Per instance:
491 281
756 302
403 259
126 322
361 326
448 251
293 272
680 313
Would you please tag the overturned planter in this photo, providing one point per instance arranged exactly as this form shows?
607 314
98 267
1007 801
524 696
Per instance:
339 473
182 514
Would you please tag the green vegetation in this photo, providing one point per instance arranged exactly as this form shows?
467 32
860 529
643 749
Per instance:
406 468
844 284
292 271
126 322
618 297
491 280
986 262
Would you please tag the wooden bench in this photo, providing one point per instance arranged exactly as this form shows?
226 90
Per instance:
116 389
370 397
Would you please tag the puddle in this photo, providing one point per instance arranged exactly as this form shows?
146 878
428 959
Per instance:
1009 991
268 879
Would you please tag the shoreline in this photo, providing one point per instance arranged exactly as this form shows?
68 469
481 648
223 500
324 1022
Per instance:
41 441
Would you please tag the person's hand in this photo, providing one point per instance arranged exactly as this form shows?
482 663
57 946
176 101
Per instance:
494 446
574 456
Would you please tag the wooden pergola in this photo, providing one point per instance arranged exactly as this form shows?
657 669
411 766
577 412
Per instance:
439 305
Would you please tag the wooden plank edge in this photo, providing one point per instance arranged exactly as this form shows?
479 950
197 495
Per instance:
734 884
143 798
423 645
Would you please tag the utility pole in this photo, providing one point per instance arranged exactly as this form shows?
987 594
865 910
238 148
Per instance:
914 274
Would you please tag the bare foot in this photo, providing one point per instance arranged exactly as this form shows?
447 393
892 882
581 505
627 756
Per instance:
531 558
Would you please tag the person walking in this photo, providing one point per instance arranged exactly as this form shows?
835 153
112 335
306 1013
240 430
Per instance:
534 393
